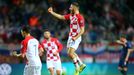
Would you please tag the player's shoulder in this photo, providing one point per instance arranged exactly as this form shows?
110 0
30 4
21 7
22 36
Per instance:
129 42
80 17
53 39
44 41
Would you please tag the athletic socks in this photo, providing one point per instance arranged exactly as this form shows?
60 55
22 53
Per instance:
123 72
79 61
76 62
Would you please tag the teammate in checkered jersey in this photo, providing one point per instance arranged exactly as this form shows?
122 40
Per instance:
52 47
76 31
30 48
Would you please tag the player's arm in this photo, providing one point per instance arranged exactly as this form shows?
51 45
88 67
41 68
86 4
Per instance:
59 45
82 29
128 54
120 43
50 10
18 55
41 51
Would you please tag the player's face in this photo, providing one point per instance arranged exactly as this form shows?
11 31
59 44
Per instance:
71 8
22 33
47 34
122 39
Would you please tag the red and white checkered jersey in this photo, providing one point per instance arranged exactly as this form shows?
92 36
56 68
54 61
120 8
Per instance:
30 47
52 46
76 22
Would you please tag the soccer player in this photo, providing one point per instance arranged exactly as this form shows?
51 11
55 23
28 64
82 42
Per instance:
30 49
52 47
125 53
76 31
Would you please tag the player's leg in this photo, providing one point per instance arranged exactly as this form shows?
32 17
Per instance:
36 70
82 66
71 53
25 70
50 67
58 67
76 44
71 47
121 67
125 71
51 70
58 72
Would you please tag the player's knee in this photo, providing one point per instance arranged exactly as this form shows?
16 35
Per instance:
58 72
70 54
119 68
51 70
125 69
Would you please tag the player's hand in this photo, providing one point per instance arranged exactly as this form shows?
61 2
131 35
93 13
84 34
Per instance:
50 10
55 53
14 53
125 63
74 38
118 41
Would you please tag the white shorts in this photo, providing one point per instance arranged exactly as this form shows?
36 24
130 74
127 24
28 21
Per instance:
73 44
32 70
54 64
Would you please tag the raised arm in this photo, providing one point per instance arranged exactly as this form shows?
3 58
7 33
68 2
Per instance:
50 10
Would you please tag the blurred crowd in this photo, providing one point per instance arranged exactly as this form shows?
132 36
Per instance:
105 20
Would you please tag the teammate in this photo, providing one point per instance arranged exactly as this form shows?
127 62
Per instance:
76 31
30 49
125 53
52 47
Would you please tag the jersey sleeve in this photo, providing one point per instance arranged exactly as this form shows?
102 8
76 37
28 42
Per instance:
60 46
81 21
129 45
40 46
67 16
23 47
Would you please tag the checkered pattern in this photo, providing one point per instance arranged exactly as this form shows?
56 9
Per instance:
76 21
51 47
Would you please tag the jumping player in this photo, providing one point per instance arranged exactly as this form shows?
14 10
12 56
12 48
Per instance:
30 49
125 53
76 31
52 47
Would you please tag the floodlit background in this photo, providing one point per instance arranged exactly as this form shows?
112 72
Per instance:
105 20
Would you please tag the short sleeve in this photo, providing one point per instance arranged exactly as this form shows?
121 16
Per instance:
23 47
67 16
129 45
81 21
40 46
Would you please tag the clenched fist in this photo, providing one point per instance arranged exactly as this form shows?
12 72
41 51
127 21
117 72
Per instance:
50 9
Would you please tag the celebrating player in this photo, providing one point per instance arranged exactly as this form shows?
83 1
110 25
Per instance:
30 48
76 31
52 47
125 53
